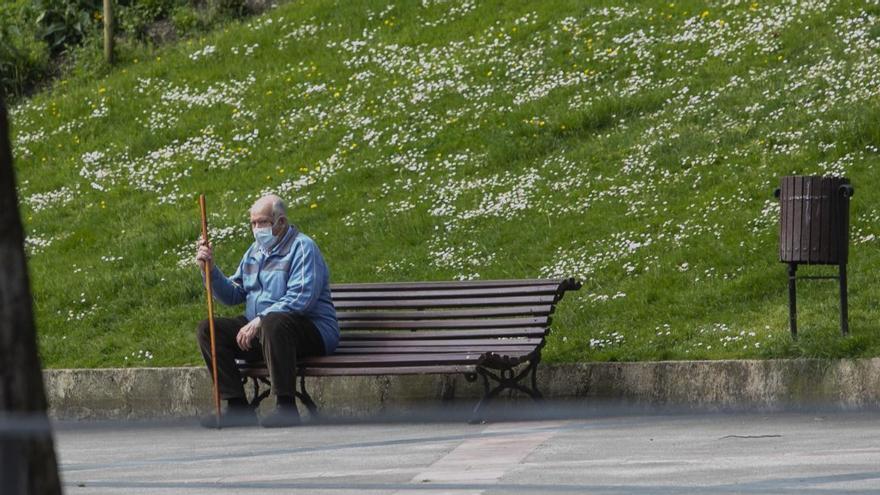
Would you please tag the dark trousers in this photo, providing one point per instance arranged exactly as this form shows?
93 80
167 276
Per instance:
282 338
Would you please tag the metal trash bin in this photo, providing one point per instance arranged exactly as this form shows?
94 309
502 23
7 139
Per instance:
814 230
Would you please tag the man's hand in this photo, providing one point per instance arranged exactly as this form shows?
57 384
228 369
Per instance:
205 254
247 333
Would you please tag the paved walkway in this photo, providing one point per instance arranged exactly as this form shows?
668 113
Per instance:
778 453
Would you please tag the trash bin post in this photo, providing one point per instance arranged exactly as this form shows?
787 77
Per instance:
792 299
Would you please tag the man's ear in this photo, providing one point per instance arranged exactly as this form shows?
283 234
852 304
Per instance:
282 224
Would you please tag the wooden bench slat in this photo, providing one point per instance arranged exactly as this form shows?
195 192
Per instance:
450 302
458 293
442 284
341 360
427 315
390 370
448 334
438 324
513 349
500 342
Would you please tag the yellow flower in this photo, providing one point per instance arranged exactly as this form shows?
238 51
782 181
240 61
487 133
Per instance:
102 90
313 205
705 13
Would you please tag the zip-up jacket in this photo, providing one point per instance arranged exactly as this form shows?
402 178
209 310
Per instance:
292 277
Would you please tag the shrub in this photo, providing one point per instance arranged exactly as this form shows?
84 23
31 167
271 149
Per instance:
24 59
233 8
67 22
135 16
187 20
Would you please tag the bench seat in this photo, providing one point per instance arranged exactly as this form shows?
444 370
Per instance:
491 329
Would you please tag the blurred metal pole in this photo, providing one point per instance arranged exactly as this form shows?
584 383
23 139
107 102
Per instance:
11 468
108 31
27 458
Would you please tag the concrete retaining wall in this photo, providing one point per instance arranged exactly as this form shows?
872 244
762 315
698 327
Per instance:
137 393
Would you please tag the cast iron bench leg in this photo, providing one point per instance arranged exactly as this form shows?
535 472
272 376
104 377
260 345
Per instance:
258 396
506 380
303 395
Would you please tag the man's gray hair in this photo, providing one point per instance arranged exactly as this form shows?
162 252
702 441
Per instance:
278 208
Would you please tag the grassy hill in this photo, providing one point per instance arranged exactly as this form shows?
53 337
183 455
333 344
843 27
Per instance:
635 145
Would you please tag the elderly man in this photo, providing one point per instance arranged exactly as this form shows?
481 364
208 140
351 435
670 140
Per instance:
285 285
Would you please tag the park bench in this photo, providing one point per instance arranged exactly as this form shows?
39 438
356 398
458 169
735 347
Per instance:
489 329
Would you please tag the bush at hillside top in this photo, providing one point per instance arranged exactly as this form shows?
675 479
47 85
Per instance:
232 7
135 17
40 39
67 22
187 20
23 58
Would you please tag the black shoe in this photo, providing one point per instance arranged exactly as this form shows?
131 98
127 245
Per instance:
231 418
281 417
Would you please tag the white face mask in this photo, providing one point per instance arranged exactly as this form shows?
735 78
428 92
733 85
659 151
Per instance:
264 237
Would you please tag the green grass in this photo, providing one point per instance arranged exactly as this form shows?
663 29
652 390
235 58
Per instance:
634 145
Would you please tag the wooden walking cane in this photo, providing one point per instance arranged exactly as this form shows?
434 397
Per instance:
210 307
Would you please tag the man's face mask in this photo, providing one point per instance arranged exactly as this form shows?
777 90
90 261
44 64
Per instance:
264 236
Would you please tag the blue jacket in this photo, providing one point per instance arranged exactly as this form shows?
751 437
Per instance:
292 278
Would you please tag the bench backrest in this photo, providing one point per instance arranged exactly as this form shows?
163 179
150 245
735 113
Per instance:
466 309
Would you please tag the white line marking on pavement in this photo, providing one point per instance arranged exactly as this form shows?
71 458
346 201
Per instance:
485 459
